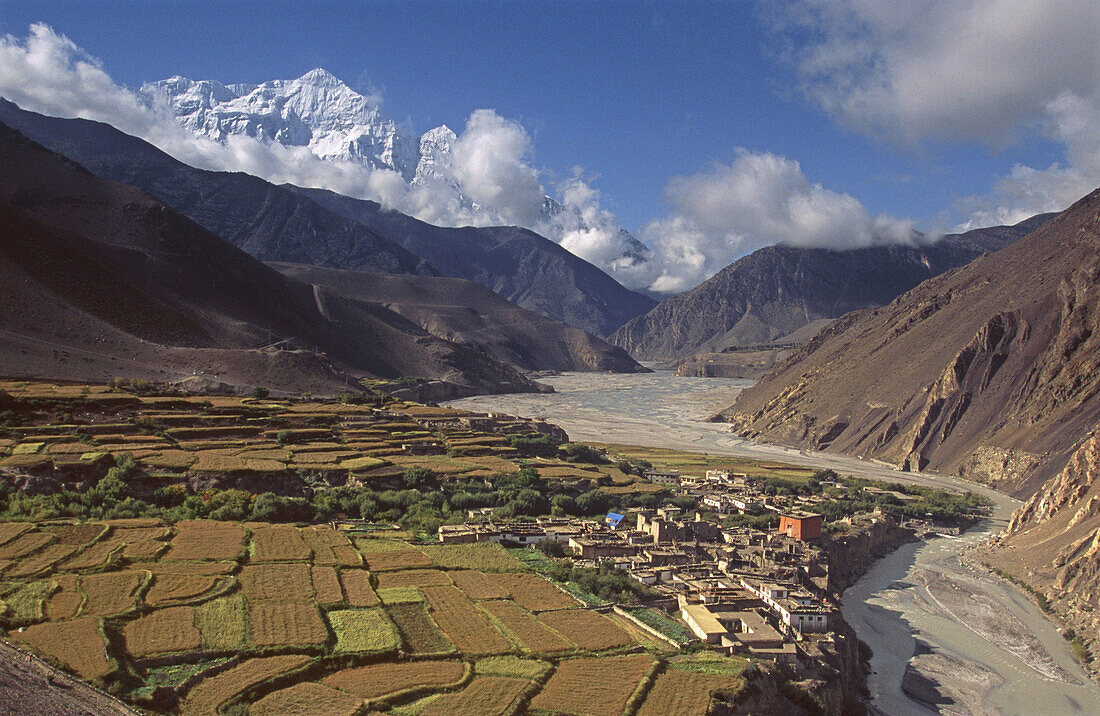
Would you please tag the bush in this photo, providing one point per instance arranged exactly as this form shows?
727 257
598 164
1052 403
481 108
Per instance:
575 452
259 393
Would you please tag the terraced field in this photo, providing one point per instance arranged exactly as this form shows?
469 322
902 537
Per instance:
495 643
205 616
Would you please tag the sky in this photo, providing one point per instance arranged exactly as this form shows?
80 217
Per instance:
707 129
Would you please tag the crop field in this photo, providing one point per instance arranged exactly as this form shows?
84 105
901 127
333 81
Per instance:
276 582
400 595
27 602
528 590
307 698
203 540
414 578
165 630
589 630
205 698
285 623
484 696
170 588
600 687
400 559
513 666
463 624
77 644
683 692
326 586
360 630
419 632
377 680
222 622
485 556
357 587
40 561
111 592
66 601
535 636
278 543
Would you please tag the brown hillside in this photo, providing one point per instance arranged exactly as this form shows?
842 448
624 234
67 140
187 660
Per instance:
990 370
100 279
470 314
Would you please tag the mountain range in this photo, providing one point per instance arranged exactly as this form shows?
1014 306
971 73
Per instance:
783 294
321 113
284 223
101 280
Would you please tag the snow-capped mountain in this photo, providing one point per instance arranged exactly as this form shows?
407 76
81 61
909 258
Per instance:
316 110
320 112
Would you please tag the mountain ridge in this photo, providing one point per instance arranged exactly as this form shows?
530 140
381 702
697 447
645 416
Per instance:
133 287
285 223
777 290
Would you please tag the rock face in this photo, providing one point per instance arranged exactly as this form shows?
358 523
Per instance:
316 111
99 279
774 292
469 314
1053 542
984 368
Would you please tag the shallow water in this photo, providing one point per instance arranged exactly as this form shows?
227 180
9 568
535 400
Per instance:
892 605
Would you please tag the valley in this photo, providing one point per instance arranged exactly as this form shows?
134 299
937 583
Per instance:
894 607
550 359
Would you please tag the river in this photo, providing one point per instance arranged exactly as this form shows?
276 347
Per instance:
924 608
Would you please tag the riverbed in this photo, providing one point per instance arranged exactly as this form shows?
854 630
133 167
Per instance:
971 642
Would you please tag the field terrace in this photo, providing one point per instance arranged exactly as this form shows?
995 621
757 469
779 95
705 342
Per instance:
74 432
206 617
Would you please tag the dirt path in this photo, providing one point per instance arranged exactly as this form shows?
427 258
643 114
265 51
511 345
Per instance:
30 686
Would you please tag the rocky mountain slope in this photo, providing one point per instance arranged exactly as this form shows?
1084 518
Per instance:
320 228
269 222
775 291
470 314
523 267
1053 542
99 279
989 370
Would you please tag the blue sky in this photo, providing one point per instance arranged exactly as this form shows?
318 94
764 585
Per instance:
638 93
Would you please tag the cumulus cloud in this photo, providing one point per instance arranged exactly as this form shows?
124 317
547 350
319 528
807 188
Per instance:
760 199
490 162
974 70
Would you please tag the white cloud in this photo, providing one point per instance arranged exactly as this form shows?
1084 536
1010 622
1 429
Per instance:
489 160
968 70
760 199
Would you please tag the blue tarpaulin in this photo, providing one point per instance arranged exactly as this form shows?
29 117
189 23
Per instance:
613 519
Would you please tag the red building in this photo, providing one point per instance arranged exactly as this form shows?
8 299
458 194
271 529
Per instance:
802 526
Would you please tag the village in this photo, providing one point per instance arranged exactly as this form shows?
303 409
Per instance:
740 590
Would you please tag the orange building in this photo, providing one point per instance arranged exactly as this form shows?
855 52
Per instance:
802 526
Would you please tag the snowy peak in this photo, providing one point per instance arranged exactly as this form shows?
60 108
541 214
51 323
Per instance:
317 110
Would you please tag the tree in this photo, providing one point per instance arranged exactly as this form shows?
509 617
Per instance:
417 476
